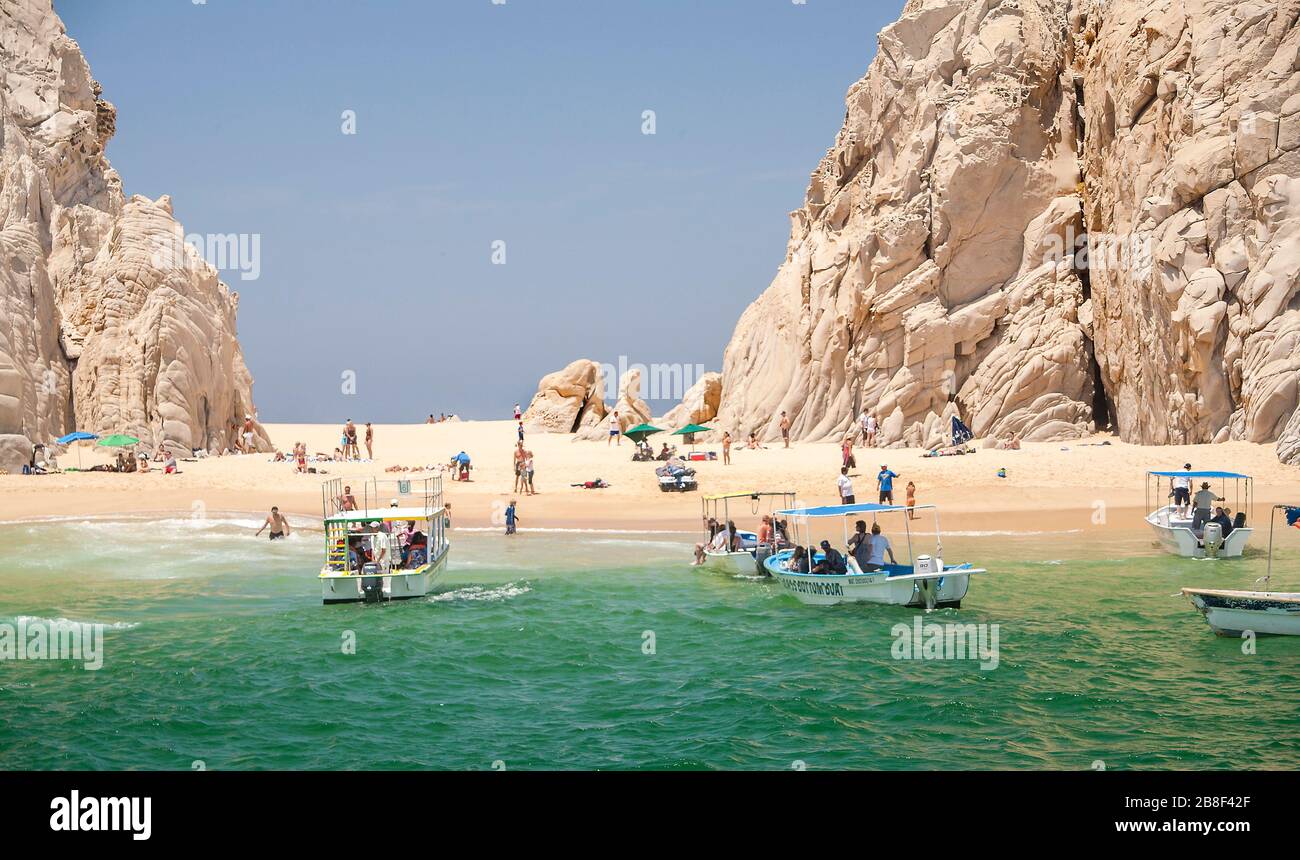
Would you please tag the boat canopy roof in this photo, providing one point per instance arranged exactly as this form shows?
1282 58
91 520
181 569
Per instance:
1200 475
379 514
847 510
721 496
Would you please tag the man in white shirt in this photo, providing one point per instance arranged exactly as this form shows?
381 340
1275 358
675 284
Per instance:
845 485
615 430
1182 487
879 546
862 426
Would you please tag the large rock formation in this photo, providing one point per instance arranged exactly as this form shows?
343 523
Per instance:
1193 126
699 405
104 325
1046 215
568 400
631 409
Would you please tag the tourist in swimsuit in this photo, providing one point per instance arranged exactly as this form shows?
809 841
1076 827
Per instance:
278 524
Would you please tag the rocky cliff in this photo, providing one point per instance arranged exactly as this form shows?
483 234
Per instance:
1046 216
108 323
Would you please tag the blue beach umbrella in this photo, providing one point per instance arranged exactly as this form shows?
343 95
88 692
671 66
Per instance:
76 436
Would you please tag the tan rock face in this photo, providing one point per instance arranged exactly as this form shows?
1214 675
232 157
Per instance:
699 405
101 328
1193 125
919 277
1045 215
631 409
567 400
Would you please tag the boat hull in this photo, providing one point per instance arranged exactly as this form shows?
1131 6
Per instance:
396 585
1233 613
734 563
938 591
1176 536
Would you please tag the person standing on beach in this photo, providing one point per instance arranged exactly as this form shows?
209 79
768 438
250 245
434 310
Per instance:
279 525
528 472
511 518
885 483
871 428
785 429
521 432
518 414
862 426
911 500
446 516
247 447
351 450
615 429
347 501
519 464
726 448
370 442
845 484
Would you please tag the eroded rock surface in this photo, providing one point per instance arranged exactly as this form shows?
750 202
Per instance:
568 399
104 324
1046 216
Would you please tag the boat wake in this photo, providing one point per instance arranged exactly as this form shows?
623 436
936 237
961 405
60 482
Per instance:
479 592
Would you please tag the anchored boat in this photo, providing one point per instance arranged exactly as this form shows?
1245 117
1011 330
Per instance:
743 555
925 581
1177 526
375 551
1233 613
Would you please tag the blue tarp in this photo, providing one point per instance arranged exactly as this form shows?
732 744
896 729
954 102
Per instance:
1198 475
75 437
841 510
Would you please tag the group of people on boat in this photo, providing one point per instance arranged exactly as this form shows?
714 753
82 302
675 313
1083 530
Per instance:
1200 506
867 548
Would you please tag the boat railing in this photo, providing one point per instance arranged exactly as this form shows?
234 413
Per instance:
374 493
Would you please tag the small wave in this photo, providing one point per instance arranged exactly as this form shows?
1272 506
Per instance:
68 622
479 592
997 533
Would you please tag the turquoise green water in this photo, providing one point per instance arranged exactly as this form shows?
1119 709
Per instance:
220 652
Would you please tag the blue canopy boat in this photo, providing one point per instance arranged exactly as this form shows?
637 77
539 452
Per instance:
925 581
1182 531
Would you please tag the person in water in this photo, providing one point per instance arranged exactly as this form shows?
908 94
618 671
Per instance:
278 524
511 518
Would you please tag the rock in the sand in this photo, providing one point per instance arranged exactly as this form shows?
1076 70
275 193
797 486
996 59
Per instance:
1055 215
567 400
1288 445
133 331
699 405
631 409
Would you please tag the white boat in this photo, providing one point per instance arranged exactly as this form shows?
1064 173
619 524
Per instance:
925 581
1180 534
1235 613
746 559
375 553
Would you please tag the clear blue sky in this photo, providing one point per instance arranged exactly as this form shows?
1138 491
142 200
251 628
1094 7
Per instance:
477 122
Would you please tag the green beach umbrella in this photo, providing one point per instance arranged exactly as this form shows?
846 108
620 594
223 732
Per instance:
640 431
689 432
118 440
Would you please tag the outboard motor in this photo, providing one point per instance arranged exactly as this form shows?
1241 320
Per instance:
761 553
1212 537
372 586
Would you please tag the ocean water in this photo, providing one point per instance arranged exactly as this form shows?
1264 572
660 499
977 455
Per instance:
598 650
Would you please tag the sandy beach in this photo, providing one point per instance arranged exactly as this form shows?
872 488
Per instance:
1048 486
